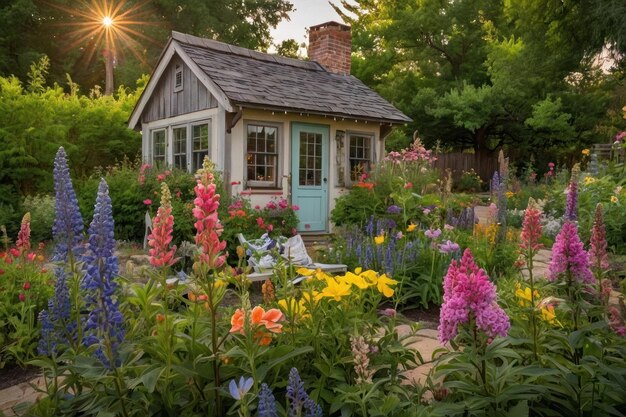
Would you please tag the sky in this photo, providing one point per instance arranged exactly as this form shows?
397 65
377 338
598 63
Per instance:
307 13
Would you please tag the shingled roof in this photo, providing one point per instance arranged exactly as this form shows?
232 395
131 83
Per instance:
254 79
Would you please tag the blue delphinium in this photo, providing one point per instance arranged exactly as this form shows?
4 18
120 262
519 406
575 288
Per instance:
369 227
495 184
267 402
56 326
104 325
298 398
68 223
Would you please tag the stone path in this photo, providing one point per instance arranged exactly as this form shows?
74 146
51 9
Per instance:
24 392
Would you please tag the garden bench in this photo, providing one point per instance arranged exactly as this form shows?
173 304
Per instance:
293 250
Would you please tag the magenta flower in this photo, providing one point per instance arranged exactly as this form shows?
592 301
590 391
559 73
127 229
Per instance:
569 256
159 240
147 202
469 297
597 251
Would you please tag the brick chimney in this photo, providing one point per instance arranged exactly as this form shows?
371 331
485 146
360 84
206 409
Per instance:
330 44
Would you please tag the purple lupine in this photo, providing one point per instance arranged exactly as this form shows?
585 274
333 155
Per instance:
298 398
267 402
105 325
569 256
391 248
468 294
448 247
369 227
68 226
56 323
572 202
495 183
394 209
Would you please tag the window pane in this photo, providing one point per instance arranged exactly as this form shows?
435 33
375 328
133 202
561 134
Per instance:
158 146
360 154
262 148
200 147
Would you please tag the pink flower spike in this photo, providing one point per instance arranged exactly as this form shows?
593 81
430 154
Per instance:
23 237
597 252
468 293
161 255
208 226
569 255
531 230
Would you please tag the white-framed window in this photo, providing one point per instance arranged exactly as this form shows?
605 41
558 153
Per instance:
158 146
179 139
178 77
360 154
182 146
200 134
262 154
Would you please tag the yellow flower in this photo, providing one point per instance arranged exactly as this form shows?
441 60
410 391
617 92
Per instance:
370 276
296 309
614 199
411 227
509 194
305 272
586 152
525 298
380 239
383 285
335 289
356 280
548 314
589 180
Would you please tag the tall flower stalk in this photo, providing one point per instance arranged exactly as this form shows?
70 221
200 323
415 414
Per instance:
161 254
23 237
211 257
104 327
528 248
571 206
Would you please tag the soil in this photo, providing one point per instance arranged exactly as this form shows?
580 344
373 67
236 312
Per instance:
14 375
428 318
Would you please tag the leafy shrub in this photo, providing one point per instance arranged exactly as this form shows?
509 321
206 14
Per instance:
24 290
399 180
134 190
41 209
469 181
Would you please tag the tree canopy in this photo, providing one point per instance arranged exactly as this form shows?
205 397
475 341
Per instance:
70 33
482 74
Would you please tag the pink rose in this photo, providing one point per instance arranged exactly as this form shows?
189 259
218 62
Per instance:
147 202
295 207
160 178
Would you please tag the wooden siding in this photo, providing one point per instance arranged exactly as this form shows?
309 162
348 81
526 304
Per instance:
166 103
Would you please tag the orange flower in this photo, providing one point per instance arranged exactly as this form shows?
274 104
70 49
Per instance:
258 318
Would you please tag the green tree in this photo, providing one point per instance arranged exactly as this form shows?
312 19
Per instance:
481 74
288 48
70 33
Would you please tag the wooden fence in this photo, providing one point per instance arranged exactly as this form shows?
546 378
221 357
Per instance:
457 162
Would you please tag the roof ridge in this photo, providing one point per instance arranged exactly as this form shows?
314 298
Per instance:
245 52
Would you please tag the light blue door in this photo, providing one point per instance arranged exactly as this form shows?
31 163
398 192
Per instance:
309 175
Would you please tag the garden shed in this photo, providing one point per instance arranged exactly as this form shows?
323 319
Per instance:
275 127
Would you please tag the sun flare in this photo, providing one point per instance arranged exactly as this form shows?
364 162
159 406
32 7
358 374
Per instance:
107 21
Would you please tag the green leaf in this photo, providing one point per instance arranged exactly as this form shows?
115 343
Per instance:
265 368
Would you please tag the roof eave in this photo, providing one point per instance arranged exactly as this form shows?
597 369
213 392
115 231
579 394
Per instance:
345 116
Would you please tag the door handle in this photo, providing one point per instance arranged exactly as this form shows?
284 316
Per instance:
325 180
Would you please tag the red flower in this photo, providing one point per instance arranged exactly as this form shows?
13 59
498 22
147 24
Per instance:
408 185
15 252
160 178
1 271
147 202
26 286
22 297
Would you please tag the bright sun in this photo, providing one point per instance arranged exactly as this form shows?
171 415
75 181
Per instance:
107 21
